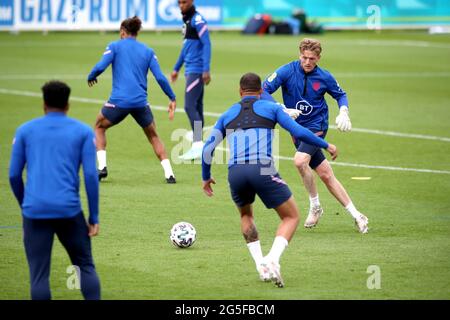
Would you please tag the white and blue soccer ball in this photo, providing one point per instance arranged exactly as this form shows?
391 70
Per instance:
183 234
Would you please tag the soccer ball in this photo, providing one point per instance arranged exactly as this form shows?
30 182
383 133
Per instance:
183 234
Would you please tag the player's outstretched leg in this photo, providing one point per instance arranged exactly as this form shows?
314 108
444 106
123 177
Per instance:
160 151
326 174
288 213
101 125
301 161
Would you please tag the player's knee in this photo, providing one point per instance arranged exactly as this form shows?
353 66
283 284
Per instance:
301 163
150 131
326 176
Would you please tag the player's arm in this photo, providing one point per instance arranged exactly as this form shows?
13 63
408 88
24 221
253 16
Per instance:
164 84
101 66
216 136
88 158
178 65
203 34
17 164
293 113
343 122
304 134
274 81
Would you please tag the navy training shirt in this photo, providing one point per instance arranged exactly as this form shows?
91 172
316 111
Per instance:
306 92
196 51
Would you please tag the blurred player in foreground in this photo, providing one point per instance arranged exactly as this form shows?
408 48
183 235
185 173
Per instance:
249 127
131 61
52 148
304 85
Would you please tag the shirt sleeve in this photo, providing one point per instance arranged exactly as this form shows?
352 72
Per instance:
88 158
17 164
203 34
216 136
101 66
336 91
160 78
274 81
297 130
180 60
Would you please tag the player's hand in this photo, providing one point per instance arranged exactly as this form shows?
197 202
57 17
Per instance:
206 77
171 110
293 113
343 120
93 230
207 189
92 82
173 76
333 150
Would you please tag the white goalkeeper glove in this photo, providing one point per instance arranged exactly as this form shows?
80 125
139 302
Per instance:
343 120
293 113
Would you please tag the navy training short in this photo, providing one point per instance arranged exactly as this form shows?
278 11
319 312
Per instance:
247 180
142 115
317 156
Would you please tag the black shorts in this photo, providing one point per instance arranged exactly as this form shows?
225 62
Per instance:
316 153
247 180
142 115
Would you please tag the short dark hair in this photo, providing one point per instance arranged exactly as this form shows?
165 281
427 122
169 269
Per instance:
250 82
56 94
132 25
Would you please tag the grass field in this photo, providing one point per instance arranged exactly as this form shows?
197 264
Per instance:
397 82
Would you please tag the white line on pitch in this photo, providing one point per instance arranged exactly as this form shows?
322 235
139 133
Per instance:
366 166
216 115
97 101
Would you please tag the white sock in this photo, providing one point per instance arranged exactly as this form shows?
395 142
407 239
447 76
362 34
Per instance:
167 168
279 244
197 145
352 210
255 250
101 158
314 201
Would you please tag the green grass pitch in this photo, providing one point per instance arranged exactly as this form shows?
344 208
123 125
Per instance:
396 82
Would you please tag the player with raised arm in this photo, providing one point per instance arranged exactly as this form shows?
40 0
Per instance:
304 85
248 126
131 61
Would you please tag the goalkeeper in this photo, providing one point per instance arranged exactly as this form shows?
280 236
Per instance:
304 85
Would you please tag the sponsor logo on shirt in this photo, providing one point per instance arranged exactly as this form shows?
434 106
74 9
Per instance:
304 107
272 77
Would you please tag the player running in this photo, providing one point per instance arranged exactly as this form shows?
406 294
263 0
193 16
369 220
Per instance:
131 61
304 85
248 126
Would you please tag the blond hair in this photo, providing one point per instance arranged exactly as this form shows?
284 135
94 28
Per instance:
311 45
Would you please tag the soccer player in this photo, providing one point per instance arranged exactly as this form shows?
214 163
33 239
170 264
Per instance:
248 126
53 148
196 55
304 85
130 61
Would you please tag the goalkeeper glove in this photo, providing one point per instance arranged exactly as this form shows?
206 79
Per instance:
343 120
293 113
